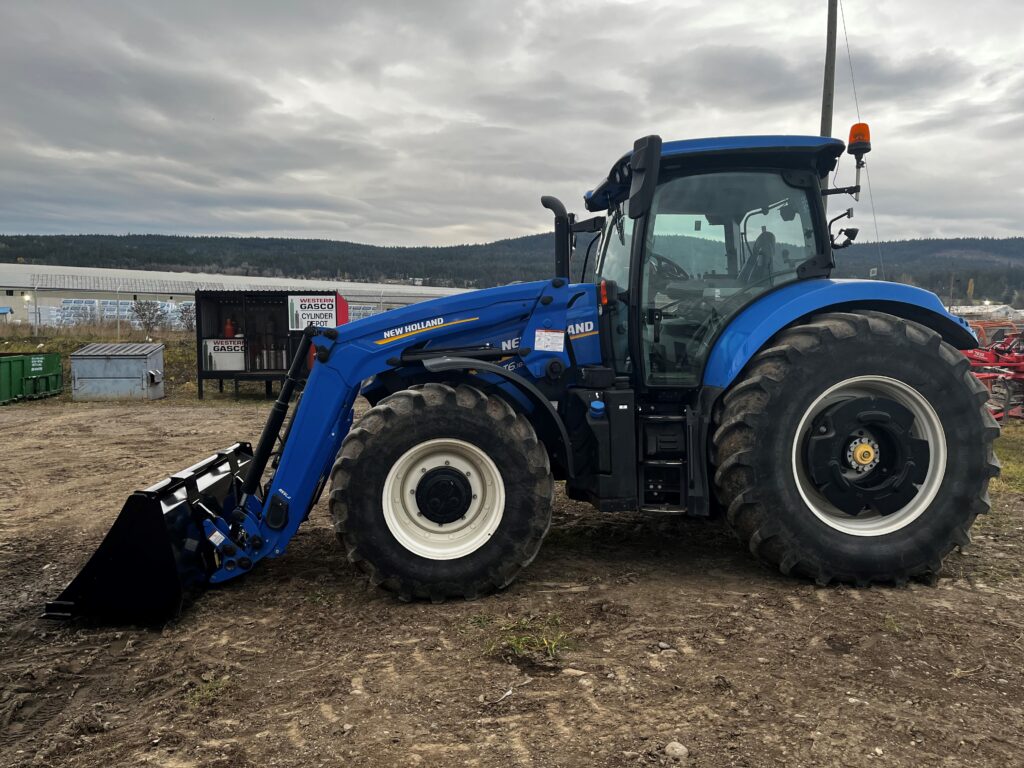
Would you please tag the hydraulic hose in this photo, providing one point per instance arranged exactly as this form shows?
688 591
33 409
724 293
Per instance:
265 447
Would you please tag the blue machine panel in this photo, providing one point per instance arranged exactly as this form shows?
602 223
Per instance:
762 319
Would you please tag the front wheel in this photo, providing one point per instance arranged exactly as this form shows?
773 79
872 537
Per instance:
856 448
441 492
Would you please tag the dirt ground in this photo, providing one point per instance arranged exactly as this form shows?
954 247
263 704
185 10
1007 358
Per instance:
662 629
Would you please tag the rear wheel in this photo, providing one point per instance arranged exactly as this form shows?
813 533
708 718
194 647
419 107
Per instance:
440 492
856 448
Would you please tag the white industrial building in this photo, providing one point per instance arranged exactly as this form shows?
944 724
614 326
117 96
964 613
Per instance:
48 295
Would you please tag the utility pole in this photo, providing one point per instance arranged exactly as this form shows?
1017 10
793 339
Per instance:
828 89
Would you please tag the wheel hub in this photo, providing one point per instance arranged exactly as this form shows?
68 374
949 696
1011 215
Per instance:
861 455
443 498
443 495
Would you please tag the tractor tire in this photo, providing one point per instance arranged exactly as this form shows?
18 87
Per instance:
855 448
441 491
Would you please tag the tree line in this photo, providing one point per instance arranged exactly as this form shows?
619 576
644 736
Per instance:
995 264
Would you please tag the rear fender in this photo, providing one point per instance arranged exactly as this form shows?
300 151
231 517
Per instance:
759 321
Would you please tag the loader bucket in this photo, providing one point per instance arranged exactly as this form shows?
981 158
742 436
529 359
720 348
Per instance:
155 555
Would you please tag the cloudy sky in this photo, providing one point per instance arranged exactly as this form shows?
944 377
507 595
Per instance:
439 122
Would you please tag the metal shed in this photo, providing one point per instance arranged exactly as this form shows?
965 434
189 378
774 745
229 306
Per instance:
118 372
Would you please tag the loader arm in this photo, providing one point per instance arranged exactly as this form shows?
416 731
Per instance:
221 517
353 353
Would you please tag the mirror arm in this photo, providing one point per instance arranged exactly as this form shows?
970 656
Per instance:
593 224
854 190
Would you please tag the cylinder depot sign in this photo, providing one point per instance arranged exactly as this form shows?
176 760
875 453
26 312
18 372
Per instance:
327 310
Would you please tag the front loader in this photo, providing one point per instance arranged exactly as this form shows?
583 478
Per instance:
704 363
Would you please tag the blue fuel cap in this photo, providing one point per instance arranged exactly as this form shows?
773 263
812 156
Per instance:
597 409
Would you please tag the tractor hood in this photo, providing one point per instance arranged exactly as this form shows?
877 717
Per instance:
415 319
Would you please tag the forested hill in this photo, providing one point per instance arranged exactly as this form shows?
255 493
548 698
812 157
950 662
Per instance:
997 265
522 258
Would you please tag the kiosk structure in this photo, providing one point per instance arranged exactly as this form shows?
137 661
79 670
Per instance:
253 335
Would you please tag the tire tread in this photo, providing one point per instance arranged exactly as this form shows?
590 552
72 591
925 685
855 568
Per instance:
735 440
375 424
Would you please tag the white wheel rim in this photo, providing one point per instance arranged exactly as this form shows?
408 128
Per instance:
425 537
927 426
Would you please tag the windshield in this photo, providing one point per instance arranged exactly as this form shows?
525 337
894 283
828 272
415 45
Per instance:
615 244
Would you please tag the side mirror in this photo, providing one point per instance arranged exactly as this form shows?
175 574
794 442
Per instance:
850 235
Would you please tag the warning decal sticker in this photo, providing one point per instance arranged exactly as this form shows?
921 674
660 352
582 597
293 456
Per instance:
549 341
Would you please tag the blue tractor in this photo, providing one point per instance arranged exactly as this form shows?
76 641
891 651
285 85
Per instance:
705 364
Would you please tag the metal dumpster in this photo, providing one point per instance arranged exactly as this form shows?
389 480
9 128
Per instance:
117 372
29 376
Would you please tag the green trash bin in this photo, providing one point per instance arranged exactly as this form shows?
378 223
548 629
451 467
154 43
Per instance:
44 376
12 378
30 376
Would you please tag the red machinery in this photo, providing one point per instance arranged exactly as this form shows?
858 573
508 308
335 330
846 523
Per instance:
1000 367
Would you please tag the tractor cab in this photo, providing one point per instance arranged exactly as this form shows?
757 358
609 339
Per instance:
709 225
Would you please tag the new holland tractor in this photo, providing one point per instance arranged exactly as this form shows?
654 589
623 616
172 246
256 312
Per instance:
706 365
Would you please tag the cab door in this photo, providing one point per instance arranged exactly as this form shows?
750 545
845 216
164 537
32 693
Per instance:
712 243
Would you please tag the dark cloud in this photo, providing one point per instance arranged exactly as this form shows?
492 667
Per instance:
441 122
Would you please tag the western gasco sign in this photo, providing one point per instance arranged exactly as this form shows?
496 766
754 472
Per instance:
320 310
225 345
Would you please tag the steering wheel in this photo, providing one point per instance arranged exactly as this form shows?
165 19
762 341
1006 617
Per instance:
668 269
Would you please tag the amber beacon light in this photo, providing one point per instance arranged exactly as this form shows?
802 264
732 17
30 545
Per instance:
860 140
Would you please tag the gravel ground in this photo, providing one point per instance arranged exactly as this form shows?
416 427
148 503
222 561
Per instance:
631 640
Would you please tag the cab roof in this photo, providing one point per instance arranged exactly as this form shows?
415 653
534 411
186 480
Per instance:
817 152
812 144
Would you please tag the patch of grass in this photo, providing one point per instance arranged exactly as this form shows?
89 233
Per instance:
207 692
319 597
534 638
890 625
1010 450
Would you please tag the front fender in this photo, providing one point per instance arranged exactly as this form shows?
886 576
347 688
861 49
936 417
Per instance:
769 314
